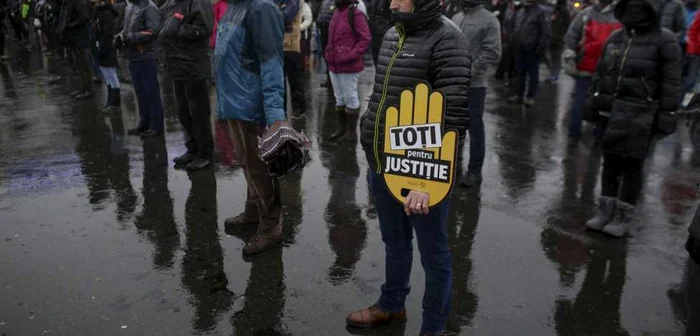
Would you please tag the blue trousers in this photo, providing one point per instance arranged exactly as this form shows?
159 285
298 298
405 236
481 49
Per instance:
527 66
692 76
581 87
477 137
144 77
397 235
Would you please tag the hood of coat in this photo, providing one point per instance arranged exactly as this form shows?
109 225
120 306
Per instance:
424 12
651 9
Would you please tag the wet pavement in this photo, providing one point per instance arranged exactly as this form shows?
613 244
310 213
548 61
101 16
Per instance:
102 236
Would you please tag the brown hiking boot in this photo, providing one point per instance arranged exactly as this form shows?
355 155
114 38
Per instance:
372 317
263 241
239 222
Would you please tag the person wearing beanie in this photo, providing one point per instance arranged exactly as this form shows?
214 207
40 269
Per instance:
423 47
636 86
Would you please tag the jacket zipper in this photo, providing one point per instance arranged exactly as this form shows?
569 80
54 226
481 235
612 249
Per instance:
402 38
623 61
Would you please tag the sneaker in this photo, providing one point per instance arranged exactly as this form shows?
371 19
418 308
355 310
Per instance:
470 180
150 133
198 164
372 317
529 102
184 159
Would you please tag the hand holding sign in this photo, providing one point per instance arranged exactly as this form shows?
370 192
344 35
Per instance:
419 156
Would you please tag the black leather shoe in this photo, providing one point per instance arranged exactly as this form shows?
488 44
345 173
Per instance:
198 164
184 159
470 180
150 133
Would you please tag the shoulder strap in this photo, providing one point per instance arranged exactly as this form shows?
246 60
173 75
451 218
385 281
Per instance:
351 19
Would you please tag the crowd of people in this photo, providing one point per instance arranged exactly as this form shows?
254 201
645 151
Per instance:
632 61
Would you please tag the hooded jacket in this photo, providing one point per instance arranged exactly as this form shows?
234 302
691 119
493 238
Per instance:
482 30
141 25
587 34
638 68
248 62
532 30
187 27
347 45
427 48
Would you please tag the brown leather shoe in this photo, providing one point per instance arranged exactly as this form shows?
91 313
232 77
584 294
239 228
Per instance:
263 241
239 221
372 317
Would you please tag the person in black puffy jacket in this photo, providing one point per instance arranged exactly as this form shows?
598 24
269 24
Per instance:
423 46
637 87
186 31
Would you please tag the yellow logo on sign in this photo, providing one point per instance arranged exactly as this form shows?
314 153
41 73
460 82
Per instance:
418 154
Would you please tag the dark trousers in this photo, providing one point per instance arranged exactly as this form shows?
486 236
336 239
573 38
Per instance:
18 26
194 112
692 75
82 62
264 200
2 35
693 298
477 138
554 53
527 66
622 177
581 87
294 73
397 235
144 78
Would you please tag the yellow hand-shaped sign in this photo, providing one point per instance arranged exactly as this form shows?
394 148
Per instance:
419 155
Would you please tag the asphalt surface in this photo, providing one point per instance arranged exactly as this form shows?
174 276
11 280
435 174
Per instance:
100 235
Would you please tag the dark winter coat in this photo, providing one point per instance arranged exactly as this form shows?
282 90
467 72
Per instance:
560 24
637 70
104 29
142 22
187 27
532 30
432 50
74 24
673 16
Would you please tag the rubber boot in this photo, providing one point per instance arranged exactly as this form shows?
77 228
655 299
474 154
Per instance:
108 101
342 123
116 98
351 133
620 224
605 214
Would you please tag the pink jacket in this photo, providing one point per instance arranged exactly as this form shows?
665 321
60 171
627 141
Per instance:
345 50
219 9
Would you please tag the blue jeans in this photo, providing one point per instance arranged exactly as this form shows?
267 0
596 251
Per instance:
397 234
527 65
581 87
144 77
477 138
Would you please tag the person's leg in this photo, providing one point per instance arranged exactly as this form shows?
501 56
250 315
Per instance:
349 83
295 75
581 87
692 76
251 212
397 236
521 74
477 138
137 81
692 296
182 108
556 59
110 76
431 232
337 90
610 178
83 63
155 103
533 69
200 113
340 105
2 36
632 180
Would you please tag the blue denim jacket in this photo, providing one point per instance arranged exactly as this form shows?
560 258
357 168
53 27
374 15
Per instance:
248 62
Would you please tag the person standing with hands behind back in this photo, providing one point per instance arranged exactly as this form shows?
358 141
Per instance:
348 39
185 35
637 86
423 47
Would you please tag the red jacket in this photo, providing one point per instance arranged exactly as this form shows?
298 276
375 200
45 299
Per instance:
345 50
693 46
219 9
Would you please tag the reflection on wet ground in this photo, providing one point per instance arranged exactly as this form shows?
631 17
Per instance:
100 235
